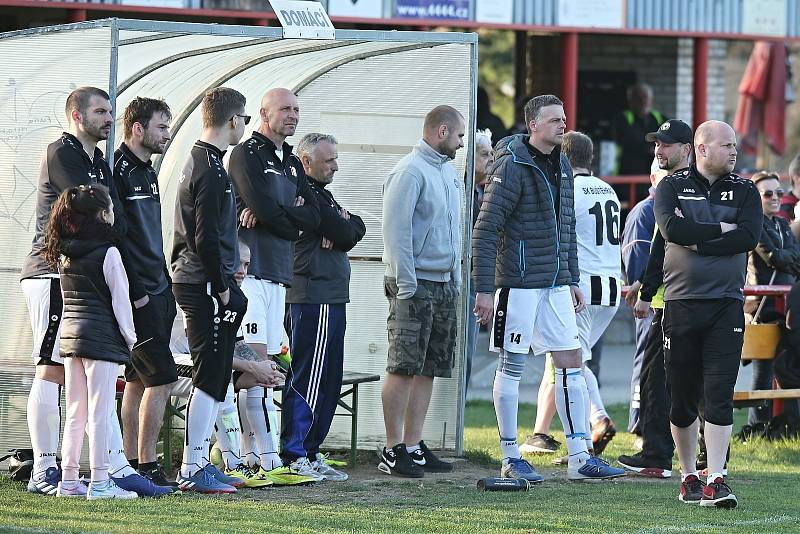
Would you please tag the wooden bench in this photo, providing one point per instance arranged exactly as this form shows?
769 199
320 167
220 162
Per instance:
761 343
350 383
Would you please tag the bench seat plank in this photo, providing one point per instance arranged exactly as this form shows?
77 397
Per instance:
766 394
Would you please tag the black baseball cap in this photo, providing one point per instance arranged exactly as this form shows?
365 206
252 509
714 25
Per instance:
672 131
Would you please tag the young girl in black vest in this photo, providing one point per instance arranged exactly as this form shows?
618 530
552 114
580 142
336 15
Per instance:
97 331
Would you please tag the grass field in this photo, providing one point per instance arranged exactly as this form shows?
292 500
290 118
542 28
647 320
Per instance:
764 476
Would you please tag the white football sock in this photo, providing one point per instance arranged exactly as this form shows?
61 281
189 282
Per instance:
598 409
258 415
248 447
685 440
198 414
228 431
272 412
44 423
506 404
571 406
119 466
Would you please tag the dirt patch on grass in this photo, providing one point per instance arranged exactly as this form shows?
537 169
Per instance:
367 485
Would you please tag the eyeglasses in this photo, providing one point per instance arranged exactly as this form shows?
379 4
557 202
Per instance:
769 193
246 118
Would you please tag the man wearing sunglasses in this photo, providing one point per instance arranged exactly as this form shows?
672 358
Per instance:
275 204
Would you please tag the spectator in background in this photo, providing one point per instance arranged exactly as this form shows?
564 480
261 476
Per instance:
634 153
485 119
483 159
775 260
790 199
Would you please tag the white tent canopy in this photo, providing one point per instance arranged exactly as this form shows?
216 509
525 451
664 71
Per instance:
370 89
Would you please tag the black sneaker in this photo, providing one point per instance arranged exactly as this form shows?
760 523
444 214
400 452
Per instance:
638 463
396 461
428 461
540 443
718 494
602 433
748 432
157 476
692 490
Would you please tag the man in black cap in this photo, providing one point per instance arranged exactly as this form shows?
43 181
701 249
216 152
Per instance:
673 142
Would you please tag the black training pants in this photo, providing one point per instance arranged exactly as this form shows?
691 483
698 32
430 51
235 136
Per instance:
702 351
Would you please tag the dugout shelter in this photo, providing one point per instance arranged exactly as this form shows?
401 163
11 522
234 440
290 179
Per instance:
370 89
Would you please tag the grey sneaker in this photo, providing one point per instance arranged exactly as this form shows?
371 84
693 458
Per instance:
327 471
303 467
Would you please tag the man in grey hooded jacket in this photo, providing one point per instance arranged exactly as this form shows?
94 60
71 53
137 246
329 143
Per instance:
422 202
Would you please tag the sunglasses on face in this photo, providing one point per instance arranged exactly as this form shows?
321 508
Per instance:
246 118
769 193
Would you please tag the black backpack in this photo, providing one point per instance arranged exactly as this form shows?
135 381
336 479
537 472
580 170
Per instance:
20 464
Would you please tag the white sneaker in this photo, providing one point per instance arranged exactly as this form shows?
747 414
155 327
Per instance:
108 490
71 488
327 471
304 467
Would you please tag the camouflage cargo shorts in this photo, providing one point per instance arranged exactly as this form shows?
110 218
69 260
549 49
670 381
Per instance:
422 329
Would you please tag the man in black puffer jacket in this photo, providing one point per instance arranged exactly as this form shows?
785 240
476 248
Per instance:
524 245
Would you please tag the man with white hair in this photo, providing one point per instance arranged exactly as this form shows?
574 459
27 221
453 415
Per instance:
316 315
483 159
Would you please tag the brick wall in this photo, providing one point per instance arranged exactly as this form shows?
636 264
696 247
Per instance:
663 63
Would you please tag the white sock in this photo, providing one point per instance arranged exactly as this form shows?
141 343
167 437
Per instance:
506 404
587 409
210 432
119 466
258 415
248 449
571 406
272 413
598 409
228 432
44 423
198 414
412 448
